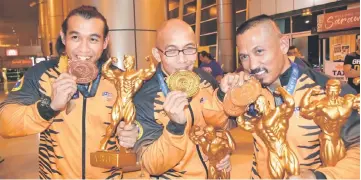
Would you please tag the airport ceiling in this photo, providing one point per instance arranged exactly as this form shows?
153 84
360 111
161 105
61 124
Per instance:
18 21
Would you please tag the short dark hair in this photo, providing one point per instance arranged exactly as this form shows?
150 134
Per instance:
87 12
252 22
292 47
206 54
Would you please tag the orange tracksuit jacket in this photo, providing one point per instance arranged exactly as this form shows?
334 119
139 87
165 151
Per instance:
303 134
164 148
66 141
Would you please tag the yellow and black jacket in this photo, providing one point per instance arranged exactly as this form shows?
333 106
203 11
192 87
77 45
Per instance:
66 140
303 134
164 148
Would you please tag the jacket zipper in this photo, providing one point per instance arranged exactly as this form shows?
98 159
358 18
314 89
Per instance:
83 158
197 146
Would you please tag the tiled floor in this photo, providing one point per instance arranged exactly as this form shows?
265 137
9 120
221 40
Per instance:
20 156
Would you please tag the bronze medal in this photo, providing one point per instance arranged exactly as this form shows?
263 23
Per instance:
246 94
185 81
85 71
230 108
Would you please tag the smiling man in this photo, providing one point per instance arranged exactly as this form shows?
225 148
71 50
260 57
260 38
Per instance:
164 148
71 117
263 53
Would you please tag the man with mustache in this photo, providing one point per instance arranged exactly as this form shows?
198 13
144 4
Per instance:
40 103
164 148
263 53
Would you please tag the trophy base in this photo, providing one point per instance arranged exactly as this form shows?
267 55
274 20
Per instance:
127 161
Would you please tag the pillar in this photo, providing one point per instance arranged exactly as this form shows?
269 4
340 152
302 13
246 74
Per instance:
180 9
43 28
198 21
225 35
132 25
55 19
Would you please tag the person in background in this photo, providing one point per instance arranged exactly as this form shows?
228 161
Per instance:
209 64
351 66
293 51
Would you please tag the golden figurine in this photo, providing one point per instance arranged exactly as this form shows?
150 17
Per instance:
356 81
185 81
216 144
271 125
127 83
330 114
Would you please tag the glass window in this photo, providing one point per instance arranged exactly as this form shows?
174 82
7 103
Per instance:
209 13
190 7
301 23
206 3
284 25
209 26
190 18
305 23
213 51
240 18
313 49
173 13
240 5
194 28
208 40
172 4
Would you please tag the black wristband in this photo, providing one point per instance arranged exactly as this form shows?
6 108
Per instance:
44 109
220 95
176 128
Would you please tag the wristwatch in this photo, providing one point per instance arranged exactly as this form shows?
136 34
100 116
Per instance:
45 111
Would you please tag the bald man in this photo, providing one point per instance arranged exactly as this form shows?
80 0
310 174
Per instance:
165 118
263 54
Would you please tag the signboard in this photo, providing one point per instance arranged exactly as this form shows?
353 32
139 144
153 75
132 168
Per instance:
12 52
338 20
17 63
335 70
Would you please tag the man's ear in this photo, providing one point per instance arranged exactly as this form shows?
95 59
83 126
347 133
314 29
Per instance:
62 35
156 54
284 43
106 41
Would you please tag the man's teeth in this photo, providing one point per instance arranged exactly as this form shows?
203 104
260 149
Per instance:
259 73
83 58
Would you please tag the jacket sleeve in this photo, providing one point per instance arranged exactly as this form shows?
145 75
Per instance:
165 152
349 166
213 112
19 115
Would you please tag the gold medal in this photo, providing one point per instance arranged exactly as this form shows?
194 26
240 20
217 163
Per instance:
185 81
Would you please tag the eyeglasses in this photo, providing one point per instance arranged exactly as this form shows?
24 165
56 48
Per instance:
175 52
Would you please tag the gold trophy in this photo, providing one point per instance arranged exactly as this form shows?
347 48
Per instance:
216 144
127 84
356 81
330 113
271 125
6 90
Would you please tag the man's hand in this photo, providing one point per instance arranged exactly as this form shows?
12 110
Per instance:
232 80
127 134
225 163
174 106
63 88
304 174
